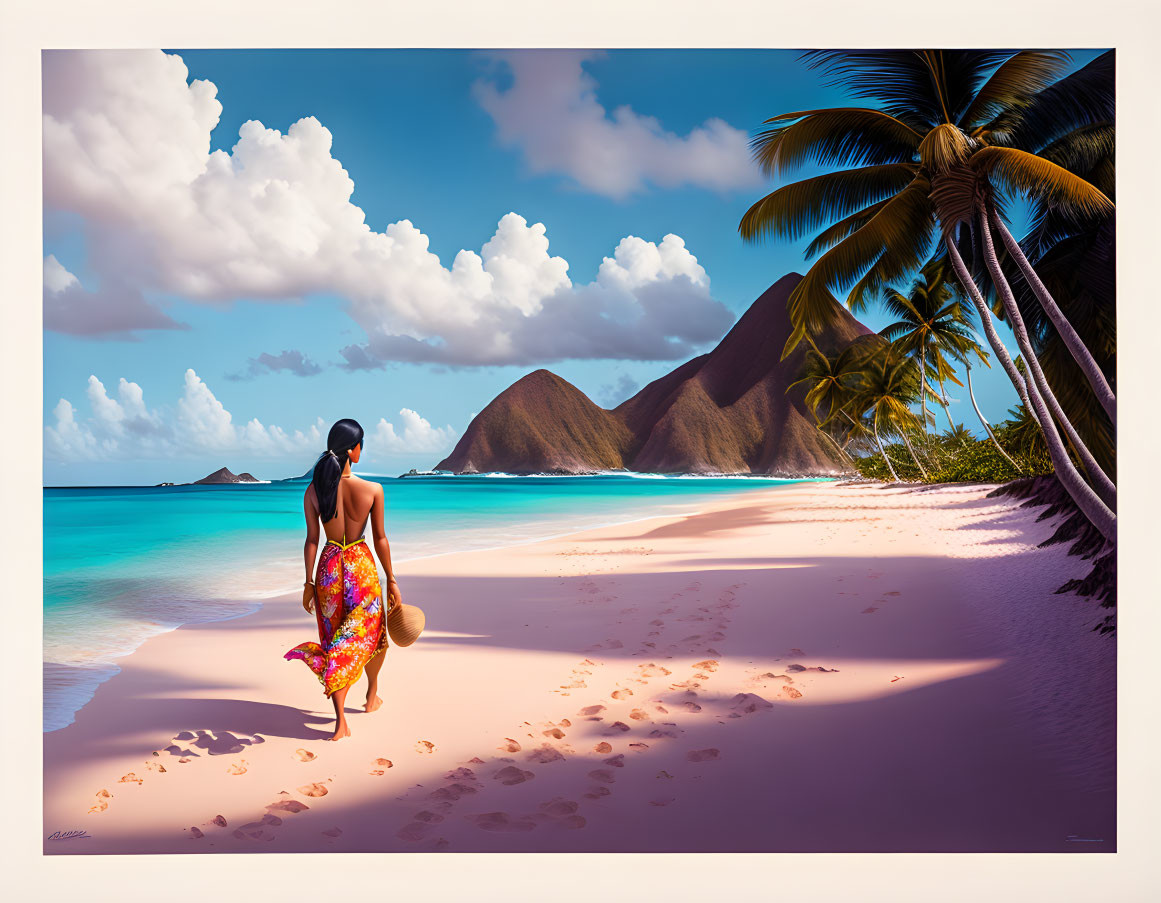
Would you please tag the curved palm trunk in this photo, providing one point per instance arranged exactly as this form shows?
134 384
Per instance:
1103 485
914 457
1074 343
987 426
1079 491
946 408
923 380
842 451
883 452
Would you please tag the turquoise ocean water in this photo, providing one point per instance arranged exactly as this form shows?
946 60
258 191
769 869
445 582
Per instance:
122 564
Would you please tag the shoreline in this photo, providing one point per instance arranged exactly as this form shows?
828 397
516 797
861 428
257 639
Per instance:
774 561
251 602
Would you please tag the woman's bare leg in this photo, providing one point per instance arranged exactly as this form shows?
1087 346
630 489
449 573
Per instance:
372 670
341 729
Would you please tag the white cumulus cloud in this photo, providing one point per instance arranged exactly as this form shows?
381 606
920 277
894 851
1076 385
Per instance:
550 111
415 435
199 423
126 145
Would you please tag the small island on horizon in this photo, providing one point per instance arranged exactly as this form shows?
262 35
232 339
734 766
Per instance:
221 475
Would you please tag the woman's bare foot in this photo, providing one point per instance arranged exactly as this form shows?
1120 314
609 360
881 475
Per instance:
341 731
372 704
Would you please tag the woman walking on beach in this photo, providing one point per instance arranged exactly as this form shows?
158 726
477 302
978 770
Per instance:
345 595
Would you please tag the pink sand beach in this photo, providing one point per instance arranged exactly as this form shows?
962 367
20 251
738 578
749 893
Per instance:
819 668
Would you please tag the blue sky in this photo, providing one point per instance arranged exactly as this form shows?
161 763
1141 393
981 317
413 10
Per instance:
450 141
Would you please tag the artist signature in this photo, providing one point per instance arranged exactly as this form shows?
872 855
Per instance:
68 835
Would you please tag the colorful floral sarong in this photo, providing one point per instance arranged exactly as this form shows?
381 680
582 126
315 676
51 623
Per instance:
349 611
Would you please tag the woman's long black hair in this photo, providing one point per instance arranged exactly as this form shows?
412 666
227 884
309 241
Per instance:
344 436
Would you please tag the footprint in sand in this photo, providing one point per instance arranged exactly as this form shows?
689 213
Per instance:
154 766
510 745
617 761
237 767
617 727
575 685
691 707
603 747
510 774
304 755
556 733
703 755
794 669
292 807
791 692
99 806
313 790
595 793
559 807
603 775
621 694
196 833
797 651
424 746
428 817
501 821
333 832
219 820
382 764
588 711
870 610
748 703
664 775
638 715
660 733
454 791
258 830
130 778
413 832
545 754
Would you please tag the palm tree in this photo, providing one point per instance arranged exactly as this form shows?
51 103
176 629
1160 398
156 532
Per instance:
987 426
931 327
961 434
888 386
947 134
831 382
1075 256
933 316
1071 124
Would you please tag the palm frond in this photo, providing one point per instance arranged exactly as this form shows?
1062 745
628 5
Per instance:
919 87
1033 175
1014 84
801 207
832 235
1081 98
843 136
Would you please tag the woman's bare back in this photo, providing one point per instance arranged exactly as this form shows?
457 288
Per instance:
353 506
